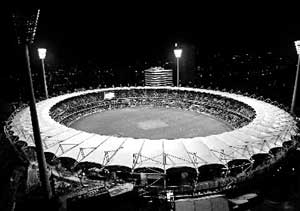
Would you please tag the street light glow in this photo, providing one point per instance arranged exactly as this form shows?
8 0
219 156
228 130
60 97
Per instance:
297 44
177 52
42 53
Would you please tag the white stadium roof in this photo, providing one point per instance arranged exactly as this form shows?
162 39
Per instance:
270 128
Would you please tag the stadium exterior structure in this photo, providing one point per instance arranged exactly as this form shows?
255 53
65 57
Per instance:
262 129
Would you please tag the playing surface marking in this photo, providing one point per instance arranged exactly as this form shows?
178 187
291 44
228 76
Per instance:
151 124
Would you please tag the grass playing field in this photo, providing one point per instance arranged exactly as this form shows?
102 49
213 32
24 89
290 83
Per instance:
151 123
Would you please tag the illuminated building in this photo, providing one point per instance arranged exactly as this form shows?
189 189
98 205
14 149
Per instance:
157 76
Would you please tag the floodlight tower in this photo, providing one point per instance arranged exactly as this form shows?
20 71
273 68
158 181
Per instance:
297 44
25 26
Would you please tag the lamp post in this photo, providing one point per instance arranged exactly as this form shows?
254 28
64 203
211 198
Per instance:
297 44
177 52
42 54
25 27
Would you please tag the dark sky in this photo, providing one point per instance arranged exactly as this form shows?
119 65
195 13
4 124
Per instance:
122 34
117 33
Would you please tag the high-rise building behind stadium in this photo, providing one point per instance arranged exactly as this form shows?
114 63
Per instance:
157 76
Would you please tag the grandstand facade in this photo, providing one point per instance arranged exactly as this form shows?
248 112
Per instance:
157 76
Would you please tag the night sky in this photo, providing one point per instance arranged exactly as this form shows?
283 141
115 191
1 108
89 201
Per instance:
122 35
118 33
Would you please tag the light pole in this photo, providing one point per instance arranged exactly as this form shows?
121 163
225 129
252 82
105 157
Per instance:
297 44
177 52
25 26
42 54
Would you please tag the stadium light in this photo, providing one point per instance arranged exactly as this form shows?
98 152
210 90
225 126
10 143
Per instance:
42 55
177 52
297 45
